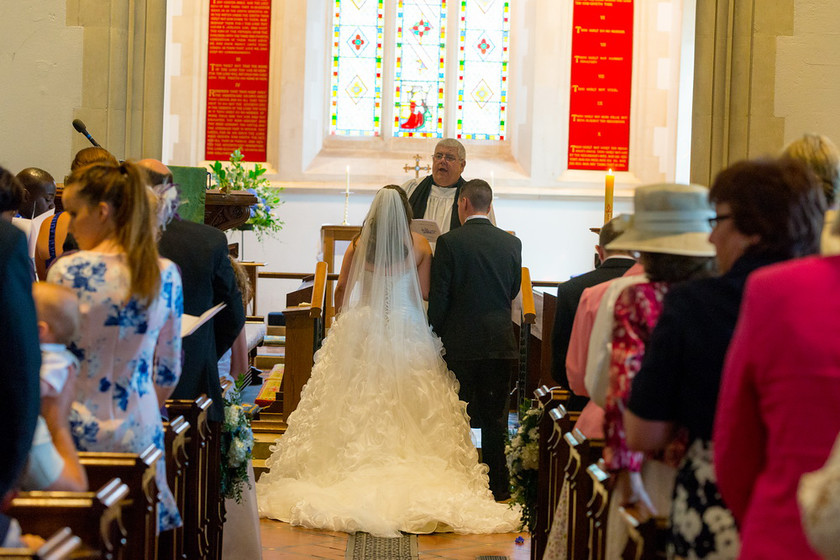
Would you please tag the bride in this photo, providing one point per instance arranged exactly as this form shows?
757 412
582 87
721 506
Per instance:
380 442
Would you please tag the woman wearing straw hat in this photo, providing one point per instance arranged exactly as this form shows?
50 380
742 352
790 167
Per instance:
766 211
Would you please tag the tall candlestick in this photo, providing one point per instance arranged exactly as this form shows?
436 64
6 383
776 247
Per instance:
347 188
609 186
346 197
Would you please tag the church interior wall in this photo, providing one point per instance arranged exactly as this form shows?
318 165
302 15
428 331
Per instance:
63 59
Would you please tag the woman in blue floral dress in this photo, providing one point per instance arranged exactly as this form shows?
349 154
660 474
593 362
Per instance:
131 302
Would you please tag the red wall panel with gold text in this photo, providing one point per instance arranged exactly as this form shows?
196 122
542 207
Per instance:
237 78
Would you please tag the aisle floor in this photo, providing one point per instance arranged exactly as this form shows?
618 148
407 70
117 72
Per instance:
282 541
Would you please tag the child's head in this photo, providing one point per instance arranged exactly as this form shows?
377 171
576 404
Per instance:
58 312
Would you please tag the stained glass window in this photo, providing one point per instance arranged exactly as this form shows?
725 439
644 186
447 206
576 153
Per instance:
419 71
484 30
356 84
418 91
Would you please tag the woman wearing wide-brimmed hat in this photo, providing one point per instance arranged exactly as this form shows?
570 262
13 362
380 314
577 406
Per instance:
669 229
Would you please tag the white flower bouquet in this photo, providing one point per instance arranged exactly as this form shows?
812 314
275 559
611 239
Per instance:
523 459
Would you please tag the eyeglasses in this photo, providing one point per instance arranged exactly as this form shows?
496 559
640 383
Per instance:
448 157
718 219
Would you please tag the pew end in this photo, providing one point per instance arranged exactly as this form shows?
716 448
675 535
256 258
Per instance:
62 545
95 517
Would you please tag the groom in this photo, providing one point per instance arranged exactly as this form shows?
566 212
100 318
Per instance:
476 273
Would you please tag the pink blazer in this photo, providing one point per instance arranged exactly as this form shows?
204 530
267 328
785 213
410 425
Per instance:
779 406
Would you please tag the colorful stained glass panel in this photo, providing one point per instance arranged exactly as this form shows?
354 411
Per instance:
482 69
356 83
419 70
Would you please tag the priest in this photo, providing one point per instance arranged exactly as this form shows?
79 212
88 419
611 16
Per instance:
436 197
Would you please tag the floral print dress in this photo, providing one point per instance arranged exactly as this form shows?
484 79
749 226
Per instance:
126 350
637 311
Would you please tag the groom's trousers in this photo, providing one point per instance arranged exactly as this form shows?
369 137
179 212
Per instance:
485 387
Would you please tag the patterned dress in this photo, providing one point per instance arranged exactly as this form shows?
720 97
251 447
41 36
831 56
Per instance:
636 314
126 350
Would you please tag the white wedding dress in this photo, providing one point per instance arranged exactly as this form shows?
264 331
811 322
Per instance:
380 442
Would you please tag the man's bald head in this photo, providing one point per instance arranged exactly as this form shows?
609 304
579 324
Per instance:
156 172
40 192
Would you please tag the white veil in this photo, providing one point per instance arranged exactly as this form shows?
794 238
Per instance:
383 275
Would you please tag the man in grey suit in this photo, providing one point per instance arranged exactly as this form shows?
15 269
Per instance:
613 264
476 274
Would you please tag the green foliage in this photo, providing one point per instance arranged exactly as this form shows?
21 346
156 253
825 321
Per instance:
523 458
237 177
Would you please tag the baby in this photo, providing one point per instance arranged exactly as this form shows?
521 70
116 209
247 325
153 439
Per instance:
53 460
58 322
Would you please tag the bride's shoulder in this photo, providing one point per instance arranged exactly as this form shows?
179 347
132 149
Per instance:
421 244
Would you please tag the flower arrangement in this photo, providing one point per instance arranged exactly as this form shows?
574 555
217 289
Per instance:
237 177
523 459
237 444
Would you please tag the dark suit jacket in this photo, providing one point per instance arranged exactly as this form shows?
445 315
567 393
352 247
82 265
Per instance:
568 298
20 356
201 252
476 272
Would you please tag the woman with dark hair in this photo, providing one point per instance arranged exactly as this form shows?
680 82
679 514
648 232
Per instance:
131 300
380 442
11 195
778 413
766 211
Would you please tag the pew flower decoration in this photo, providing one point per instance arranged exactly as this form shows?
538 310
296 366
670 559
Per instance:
237 445
523 459
236 177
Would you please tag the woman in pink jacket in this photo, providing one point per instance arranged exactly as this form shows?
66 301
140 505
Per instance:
779 407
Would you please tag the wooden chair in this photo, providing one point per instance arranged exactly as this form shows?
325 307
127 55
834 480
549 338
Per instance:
647 535
198 494
582 453
171 543
95 517
597 509
547 399
61 546
139 508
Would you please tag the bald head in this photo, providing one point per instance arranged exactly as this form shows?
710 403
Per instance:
40 192
156 172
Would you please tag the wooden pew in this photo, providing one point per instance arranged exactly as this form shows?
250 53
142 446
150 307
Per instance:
200 497
304 332
547 400
597 509
553 478
139 508
95 517
647 535
582 453
171 543
60 546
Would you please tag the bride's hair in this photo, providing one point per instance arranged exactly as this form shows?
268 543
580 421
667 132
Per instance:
373 219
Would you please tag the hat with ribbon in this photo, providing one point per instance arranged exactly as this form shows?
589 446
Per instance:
671 219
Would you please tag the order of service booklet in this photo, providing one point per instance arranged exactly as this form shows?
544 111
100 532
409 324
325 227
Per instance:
190 323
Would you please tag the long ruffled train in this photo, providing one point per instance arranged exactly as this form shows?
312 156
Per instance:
380 442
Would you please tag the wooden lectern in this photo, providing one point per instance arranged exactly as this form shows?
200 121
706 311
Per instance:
329 235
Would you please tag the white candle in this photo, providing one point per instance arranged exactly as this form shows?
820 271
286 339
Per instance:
347 188
492 180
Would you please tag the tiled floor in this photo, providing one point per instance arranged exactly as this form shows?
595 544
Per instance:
282 541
